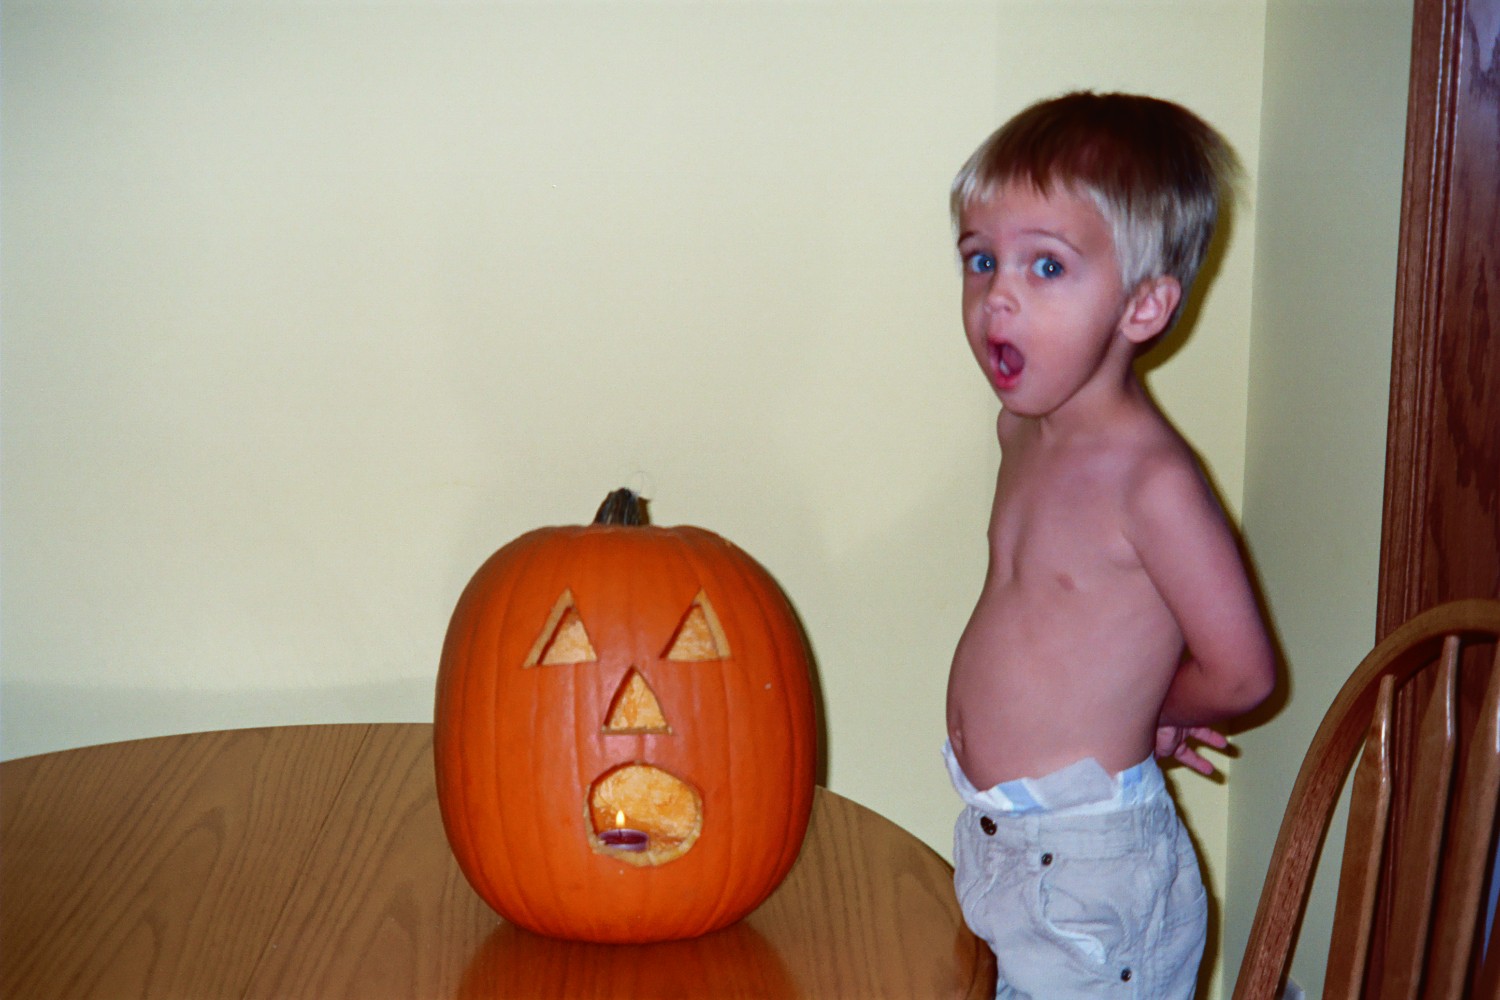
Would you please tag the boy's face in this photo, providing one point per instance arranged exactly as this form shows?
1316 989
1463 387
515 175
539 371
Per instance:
1043 301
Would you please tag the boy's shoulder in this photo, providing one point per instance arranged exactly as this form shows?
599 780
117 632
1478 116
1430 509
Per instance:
1145 460
1163 482
1155 453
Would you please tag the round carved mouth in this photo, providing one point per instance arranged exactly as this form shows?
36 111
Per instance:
643 800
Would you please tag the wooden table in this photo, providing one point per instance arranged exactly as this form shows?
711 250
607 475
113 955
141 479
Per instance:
309 861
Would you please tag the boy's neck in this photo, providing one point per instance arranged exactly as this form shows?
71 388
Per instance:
1104 405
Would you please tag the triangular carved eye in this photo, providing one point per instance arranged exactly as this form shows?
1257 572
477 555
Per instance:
635 708
699 636
563 638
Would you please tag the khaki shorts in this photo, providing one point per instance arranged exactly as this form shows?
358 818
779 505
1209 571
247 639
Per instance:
1077 907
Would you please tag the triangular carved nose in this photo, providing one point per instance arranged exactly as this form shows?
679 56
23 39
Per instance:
634 708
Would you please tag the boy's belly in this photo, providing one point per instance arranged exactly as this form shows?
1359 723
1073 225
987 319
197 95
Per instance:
1007 725
1031 692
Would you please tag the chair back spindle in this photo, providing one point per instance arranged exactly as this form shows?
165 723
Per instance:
1364 853
1414 880
1456 920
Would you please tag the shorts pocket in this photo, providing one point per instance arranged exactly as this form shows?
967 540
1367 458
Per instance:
1095 906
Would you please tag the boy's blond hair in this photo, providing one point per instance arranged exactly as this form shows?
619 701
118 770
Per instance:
1155 170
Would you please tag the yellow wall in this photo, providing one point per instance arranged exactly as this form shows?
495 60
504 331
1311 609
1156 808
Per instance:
309 307
1328 210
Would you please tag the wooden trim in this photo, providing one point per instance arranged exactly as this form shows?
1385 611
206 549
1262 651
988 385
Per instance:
1431 104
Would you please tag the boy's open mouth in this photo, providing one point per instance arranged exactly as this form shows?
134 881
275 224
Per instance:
1008 361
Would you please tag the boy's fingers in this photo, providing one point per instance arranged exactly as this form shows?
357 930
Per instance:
1210 736
1195 761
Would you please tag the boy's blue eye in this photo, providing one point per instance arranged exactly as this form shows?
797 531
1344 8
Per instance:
979 263
1047 267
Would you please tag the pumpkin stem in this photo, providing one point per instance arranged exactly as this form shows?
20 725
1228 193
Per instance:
623 507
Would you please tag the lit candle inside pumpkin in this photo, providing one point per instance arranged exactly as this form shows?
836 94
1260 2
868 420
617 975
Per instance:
622 838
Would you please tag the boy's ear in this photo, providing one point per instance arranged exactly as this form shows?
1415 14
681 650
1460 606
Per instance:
1150 308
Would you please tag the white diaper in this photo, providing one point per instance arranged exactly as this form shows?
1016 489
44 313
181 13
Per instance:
1081 788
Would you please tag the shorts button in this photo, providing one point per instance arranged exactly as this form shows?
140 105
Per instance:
1047 859
1124 975
987 825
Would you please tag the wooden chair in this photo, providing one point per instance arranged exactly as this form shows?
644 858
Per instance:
1422 891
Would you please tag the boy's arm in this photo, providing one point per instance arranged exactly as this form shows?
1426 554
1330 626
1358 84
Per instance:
1189 553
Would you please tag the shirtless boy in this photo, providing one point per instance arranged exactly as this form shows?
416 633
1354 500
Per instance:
1116 620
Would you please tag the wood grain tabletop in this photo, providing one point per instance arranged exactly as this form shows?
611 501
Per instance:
310 861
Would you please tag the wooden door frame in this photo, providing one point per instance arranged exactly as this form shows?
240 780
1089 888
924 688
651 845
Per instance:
1408 583
1424 220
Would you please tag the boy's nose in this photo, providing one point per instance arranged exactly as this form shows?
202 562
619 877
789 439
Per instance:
1001 296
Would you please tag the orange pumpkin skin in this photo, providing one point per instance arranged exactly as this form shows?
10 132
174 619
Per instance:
517 748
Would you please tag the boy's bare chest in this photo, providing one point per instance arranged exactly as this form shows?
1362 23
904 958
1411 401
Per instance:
1059 516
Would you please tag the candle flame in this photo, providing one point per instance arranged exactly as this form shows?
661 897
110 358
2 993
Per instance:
619 819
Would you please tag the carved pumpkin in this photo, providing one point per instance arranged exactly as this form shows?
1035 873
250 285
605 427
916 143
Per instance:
620 675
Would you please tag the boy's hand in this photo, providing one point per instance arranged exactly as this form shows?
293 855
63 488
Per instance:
1172 743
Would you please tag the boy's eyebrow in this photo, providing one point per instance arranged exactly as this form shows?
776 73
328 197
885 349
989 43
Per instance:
1033 231
1053 234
